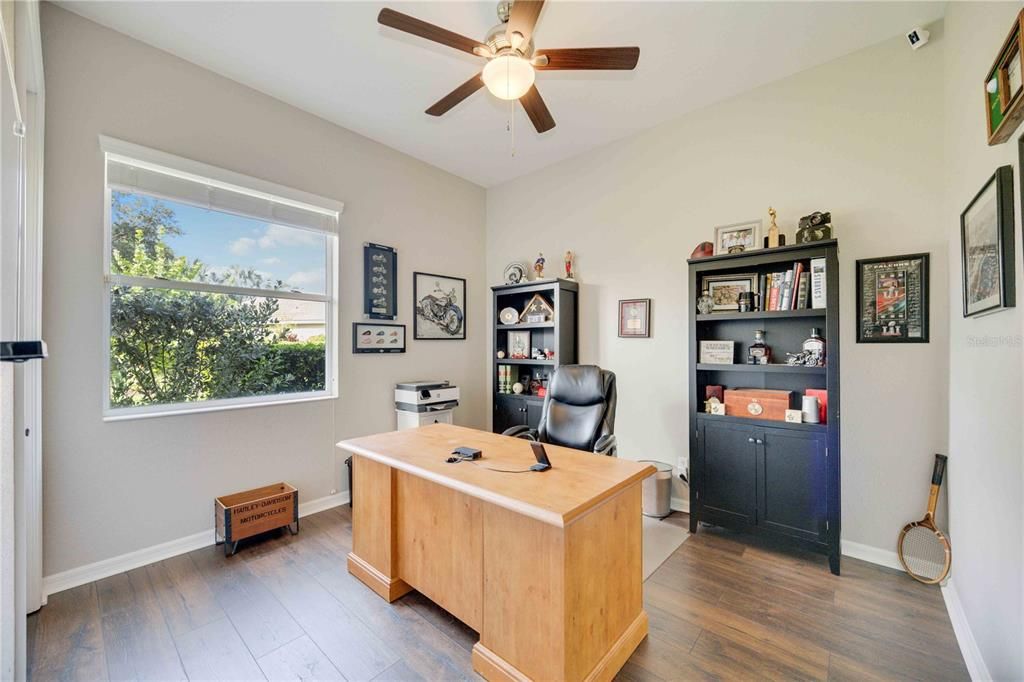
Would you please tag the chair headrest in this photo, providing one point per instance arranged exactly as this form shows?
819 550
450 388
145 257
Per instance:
578 385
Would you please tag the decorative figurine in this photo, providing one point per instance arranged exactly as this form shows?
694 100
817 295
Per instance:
774 238
814 228
705 304
538 266
569 274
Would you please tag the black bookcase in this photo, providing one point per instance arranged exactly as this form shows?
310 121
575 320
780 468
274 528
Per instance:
558 334
766 476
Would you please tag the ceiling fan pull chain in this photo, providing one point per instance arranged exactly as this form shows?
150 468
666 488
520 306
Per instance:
511 126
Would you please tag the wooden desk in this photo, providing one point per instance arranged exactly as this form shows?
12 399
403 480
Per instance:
547 566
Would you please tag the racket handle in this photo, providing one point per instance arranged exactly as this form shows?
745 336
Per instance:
937 474
940 469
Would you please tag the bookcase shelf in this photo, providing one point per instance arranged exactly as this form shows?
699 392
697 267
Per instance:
557 334
767 477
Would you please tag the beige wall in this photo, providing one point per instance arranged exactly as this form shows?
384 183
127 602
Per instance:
111 488
986 363
860 137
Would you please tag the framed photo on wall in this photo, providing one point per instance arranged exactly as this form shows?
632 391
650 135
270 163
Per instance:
987 246
380 268
377 337
440 305
892 299
635 318
738 237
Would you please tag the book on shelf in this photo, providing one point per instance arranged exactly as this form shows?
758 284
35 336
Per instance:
787 290
818 284
798 269
801 293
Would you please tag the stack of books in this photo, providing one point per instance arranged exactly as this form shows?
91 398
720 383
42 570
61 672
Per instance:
791 289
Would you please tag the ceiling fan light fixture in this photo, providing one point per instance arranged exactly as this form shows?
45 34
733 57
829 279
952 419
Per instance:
508 76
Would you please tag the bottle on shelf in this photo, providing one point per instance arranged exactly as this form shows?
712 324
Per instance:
814 348
759 353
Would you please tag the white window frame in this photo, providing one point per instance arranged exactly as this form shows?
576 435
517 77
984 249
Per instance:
118 150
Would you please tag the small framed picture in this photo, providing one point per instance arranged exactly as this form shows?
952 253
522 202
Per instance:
717 352
518 344
725 290
377 337
738 237
380 268
892 299
439 302
635 318
987 247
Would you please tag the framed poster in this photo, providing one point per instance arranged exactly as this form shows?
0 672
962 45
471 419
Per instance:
440 304
375 337
635 318
987 246
380 277
892 299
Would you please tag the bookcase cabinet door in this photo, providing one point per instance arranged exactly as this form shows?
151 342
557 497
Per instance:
793 494
509 411
728 459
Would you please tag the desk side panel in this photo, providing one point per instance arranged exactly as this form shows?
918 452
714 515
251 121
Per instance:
524 593
604 585
439 545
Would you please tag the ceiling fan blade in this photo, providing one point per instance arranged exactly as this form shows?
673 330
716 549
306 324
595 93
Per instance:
523 18
417 27
612 58
455 96
537 110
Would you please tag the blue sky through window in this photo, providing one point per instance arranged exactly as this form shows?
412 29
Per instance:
222 240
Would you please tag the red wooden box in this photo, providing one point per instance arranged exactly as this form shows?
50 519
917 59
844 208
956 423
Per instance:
757 403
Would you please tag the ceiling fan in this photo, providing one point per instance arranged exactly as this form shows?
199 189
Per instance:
511 58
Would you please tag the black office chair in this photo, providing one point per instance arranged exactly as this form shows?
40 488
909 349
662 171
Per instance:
579 411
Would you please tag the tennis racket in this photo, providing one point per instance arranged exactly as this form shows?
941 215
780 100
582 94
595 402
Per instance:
924 551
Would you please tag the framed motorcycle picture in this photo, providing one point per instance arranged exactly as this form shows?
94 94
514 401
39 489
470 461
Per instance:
380 277
439 302
370 337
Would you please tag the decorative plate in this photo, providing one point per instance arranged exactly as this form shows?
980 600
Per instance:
509 316
515 273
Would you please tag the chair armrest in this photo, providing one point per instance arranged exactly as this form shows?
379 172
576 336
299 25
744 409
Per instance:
607 445
521 431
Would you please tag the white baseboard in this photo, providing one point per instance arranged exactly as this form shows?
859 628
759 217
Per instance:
965 638
680 504
874 555
65 580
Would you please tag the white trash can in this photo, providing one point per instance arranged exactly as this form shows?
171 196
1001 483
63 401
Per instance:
657 490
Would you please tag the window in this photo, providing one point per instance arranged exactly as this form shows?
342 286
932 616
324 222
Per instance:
220 288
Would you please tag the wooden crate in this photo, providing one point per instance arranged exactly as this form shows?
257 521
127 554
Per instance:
242 515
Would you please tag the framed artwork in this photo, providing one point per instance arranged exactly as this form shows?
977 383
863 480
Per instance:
1004 86
725 290
892 299
987 246
518 345
377 337
380 268
738 237
635 318
440 304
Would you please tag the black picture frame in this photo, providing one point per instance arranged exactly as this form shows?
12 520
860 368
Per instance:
989 268
380 281
377 330
439 314
913 272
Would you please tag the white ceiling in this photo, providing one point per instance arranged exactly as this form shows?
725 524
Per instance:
333 60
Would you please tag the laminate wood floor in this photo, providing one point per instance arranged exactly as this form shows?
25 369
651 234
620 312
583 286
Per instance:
721 607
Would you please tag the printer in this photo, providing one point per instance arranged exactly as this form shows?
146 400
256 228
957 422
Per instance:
425 402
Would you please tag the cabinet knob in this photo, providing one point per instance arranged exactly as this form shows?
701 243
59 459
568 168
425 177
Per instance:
759 441
750 440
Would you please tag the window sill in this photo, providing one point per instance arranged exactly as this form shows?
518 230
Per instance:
132 413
